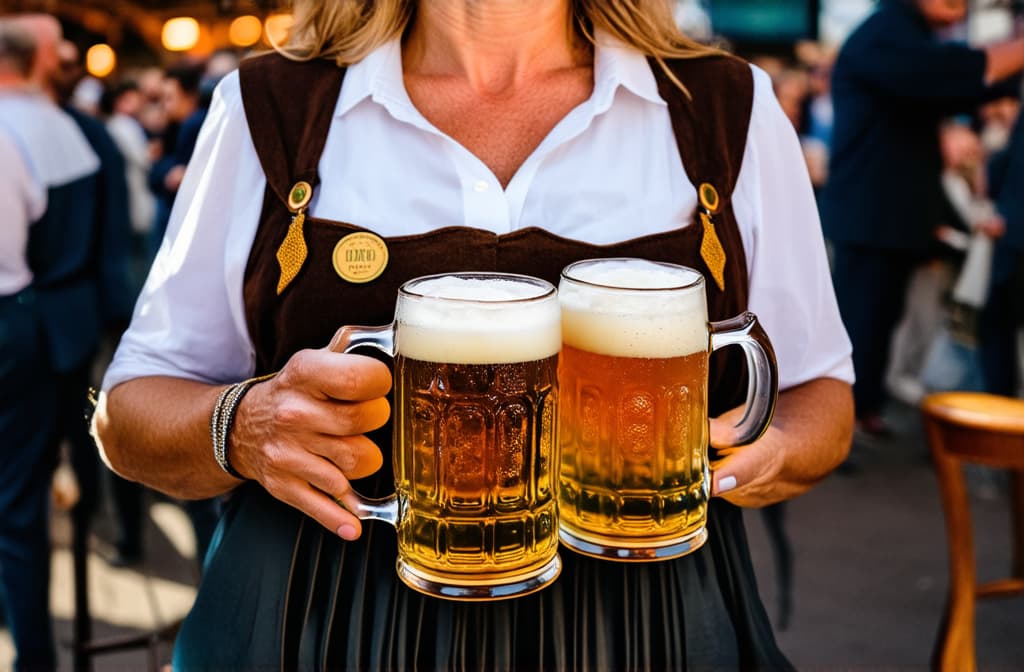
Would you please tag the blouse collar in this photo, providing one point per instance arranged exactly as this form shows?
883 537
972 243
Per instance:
379 77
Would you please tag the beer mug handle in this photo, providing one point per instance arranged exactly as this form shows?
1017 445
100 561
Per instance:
346 340
762 372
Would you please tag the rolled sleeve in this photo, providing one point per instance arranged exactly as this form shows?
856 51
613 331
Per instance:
790 284
189 321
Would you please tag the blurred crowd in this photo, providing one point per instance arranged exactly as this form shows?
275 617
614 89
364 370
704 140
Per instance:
90 171
154 116
937 344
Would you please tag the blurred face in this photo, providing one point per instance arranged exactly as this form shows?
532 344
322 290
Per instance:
943 13
152 118
960 146
177 104
819 80
68 72
1003 111
48 35
151 84
791 93
129 103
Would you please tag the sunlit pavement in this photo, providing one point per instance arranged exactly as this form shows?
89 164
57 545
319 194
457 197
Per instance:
871 562
869 578
123 600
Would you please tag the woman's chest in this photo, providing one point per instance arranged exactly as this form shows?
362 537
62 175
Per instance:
504 127
614 177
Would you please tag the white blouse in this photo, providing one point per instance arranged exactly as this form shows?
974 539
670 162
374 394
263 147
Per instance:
22 201
608 172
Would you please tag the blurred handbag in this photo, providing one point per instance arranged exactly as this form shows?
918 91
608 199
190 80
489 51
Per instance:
971 287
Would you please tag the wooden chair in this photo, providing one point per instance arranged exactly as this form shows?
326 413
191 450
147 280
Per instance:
988 430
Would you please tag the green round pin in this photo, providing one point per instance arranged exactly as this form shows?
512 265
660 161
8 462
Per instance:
299 196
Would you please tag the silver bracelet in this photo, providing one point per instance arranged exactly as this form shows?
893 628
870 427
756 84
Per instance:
223 418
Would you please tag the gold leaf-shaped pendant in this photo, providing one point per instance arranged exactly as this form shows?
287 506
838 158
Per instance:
292 253
712 252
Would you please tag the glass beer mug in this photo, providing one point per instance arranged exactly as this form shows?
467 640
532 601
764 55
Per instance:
475 443
634 481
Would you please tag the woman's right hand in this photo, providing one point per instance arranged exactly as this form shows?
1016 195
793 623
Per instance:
301 433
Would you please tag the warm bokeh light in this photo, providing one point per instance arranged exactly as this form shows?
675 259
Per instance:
245 31
277 27
180 33
100 60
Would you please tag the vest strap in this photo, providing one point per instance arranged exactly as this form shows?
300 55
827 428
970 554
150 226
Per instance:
711 123
289 106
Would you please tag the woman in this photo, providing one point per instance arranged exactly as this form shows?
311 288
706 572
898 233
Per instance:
492 135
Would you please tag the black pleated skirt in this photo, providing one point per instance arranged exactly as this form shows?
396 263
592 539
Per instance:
281 593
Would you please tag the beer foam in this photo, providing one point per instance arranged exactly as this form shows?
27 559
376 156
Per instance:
482 321
634 274
477 289
666 318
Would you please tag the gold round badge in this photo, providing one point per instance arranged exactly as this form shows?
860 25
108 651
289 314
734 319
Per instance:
360 257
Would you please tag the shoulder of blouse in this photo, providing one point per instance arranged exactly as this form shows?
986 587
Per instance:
768 127
772 157
226 119
227 96
764 96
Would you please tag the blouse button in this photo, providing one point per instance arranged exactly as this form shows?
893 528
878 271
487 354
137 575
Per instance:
480 186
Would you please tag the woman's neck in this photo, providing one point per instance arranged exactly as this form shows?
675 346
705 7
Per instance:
495 45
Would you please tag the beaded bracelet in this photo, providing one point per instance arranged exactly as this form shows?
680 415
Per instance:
224 416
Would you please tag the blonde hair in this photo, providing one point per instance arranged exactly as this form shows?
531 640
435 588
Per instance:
345 31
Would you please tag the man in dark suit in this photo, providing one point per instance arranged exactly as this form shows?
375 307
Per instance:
78 254
26 396
893 82
58 310
101 290
1003 315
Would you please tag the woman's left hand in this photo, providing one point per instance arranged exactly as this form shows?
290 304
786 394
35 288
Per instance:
751 469
809 436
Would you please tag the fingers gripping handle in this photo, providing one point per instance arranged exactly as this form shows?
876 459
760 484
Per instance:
365 508
762 372
346 340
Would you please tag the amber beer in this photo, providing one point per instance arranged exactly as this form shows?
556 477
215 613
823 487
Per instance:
475 447
634 423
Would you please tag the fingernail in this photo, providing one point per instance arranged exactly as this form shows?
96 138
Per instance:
726 484
347 532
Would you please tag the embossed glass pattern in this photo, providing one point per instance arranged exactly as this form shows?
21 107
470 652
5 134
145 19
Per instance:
476 396
634 480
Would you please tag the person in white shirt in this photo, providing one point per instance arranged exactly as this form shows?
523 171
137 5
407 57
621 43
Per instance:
24 200
26 389
122 105
964 183
56 312
501 136
26 411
